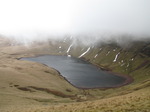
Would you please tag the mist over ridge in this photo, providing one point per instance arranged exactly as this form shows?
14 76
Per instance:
89 21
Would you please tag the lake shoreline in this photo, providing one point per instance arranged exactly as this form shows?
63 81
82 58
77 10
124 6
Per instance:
128 79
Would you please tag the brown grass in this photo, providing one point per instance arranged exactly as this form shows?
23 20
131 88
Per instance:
32 87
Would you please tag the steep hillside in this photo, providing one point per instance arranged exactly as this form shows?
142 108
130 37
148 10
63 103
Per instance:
132 60
125 60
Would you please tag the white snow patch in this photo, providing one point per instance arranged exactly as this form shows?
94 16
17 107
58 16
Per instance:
108 53
128 65
59 47
100 49
116 57
114 50
122 61
95 55
65 40
69 48
85 52
69 55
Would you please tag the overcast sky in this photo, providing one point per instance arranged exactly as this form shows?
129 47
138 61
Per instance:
33 17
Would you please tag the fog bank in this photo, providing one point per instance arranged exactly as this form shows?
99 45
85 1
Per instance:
103 20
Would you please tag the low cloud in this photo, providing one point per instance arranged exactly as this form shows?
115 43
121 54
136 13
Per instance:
87 20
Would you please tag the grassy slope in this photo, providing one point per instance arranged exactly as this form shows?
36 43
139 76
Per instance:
30 91
26 83
132 102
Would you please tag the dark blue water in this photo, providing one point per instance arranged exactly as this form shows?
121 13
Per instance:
78 72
